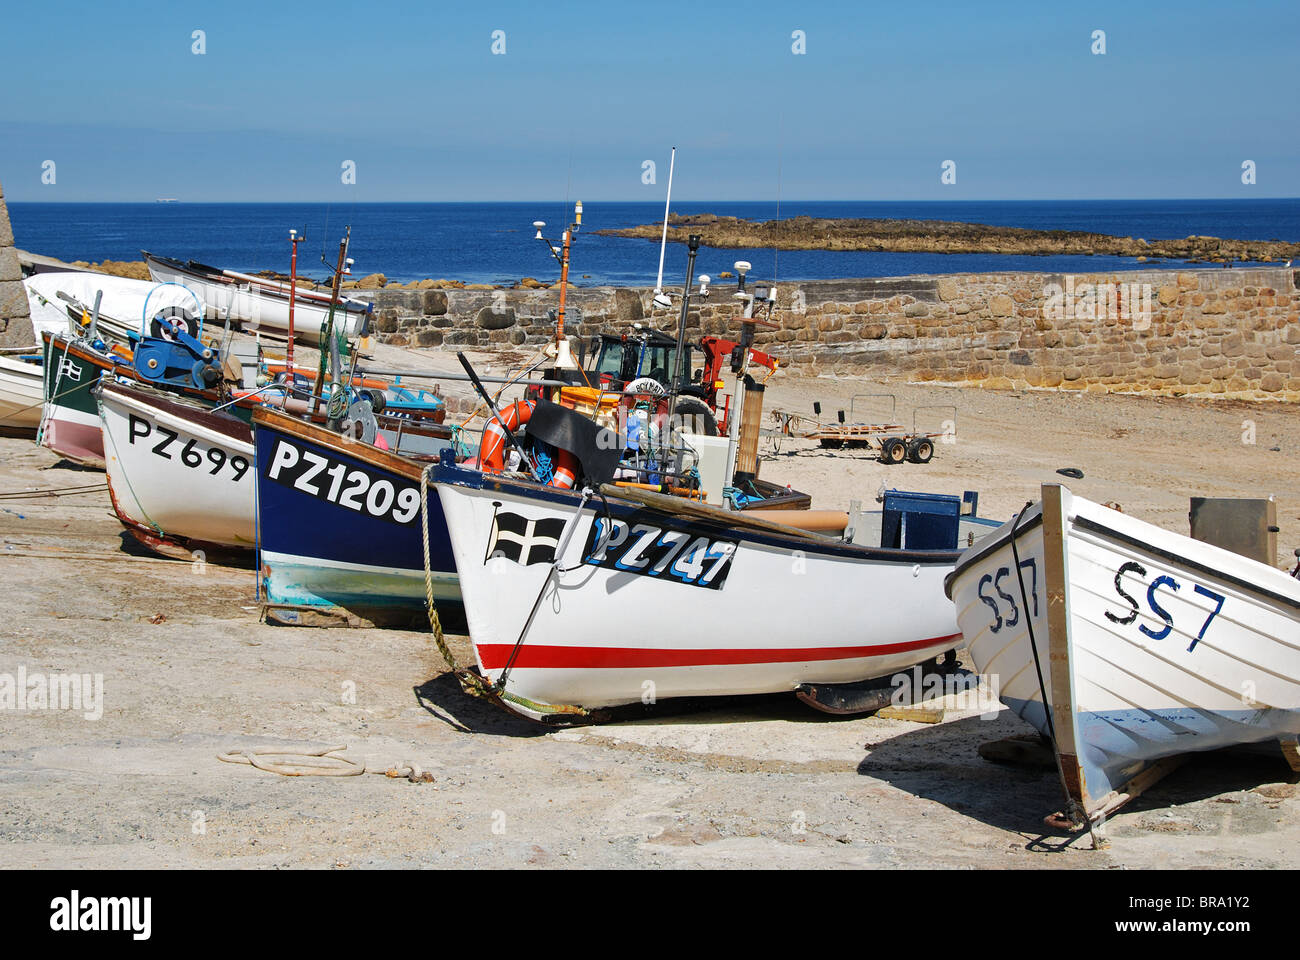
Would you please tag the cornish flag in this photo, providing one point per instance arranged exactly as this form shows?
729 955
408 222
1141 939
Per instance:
524 541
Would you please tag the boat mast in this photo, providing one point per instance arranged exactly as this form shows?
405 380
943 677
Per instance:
293 295
561 345
742 267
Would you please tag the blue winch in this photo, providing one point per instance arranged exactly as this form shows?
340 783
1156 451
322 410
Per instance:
178 360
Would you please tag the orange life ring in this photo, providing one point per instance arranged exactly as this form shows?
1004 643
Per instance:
492 448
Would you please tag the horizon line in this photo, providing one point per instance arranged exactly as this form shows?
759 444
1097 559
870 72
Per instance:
285 203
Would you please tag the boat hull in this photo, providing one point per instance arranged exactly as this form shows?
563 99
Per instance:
70 422
736 612
122 304
256 306
179 474
20 394
339 525
1149 644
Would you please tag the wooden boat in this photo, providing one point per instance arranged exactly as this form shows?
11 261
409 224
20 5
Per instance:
20 395
258 303
339 526
180 474
1126 644
557 586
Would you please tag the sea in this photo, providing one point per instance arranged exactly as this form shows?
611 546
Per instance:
496 242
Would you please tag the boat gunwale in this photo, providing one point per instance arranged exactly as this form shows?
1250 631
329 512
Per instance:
744 527
210 274
741 527
1094 526
993 542
180 408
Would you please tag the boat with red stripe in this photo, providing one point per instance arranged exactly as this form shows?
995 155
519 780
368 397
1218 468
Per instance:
578 600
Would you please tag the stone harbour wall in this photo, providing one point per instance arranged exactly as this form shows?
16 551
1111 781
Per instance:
15 315
1214 332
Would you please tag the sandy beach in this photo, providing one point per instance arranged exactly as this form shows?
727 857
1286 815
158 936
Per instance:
189 671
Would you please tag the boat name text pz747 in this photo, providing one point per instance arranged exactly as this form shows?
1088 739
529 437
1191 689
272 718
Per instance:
649 550
344 485
140 428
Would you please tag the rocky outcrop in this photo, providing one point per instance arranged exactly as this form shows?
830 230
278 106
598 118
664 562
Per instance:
942 236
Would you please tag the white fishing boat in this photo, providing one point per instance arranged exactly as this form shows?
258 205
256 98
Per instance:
1143 644
179 473
63 302
20 394
634 596
260 303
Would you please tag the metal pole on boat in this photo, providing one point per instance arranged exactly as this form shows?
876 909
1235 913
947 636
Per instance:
659 299
742 268
693 246
564 270
293 295
329 323
93 331
496 415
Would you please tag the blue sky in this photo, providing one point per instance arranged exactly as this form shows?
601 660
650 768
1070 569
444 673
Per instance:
585 92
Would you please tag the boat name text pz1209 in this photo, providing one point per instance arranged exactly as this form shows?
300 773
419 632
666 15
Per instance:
344 485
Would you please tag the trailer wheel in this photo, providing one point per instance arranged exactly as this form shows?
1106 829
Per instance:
893 450
920 450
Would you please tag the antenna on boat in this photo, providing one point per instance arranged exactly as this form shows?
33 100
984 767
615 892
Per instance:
660 299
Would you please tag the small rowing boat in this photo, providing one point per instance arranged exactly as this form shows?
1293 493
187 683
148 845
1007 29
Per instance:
1126 644
259 303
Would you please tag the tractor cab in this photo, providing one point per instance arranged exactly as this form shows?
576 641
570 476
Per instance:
616 361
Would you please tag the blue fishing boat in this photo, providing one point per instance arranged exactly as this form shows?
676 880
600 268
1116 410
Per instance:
339 530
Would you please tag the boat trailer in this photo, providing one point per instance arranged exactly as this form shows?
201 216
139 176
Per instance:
892 442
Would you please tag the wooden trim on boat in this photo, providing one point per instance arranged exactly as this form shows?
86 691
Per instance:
226 424
365 452
1061 682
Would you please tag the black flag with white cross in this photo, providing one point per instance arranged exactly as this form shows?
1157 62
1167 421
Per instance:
524 541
